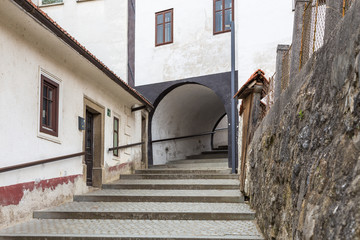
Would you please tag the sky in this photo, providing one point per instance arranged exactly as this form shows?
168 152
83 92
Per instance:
262 25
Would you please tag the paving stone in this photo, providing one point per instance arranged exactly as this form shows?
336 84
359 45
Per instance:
133 229
149 210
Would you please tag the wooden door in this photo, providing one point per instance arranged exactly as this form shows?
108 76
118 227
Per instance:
89 147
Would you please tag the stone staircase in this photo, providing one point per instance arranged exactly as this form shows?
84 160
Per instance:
185 199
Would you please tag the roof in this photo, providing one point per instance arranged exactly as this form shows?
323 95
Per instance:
52 26
257 78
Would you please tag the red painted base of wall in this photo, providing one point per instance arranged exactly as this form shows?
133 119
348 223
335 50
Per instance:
118 167
12 195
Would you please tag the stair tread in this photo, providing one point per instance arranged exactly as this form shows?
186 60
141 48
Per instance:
184 207
178 181
139 229
170 193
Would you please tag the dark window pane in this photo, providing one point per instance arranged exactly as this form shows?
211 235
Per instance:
49 117
218 5
116 123
51 1
227 19
45 91
50 94
168 32
218 22
168 17
115 140
159 37
159 19
228 3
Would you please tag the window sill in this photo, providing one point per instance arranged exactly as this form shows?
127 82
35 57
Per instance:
49 137
162 44
217 33
51 5
79 1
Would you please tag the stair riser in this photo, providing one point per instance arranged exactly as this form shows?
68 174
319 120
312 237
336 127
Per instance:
178 171
170 187
87 198
208 155
145 215
207 161
172 176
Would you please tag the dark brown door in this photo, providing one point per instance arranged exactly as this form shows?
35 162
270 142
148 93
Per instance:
143 138
89 147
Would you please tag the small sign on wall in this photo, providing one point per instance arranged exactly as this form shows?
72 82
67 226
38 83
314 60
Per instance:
81 123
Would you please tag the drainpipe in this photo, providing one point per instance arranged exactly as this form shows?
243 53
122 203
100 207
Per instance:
233 101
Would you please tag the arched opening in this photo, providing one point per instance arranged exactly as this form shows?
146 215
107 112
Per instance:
219 137
183 122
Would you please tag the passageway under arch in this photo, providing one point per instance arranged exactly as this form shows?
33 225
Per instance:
185 111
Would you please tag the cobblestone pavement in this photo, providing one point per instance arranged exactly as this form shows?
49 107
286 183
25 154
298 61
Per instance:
141 192
179 181
191 229
152 207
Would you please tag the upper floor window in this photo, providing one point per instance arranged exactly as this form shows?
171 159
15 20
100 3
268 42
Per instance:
49 109
223 15
49 2
164 27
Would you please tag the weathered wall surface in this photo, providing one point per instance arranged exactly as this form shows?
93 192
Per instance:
101 26
28 51
304 158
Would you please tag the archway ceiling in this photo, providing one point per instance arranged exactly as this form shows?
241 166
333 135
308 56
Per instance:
188 109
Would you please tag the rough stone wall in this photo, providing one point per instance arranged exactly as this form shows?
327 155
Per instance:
304 159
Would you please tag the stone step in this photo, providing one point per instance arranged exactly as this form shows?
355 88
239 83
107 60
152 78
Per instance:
215 152
179 176
204 161
132 229
203 170
209 155
148 210
115 195
190 184
217 165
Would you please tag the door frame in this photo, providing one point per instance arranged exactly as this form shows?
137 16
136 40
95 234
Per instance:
98 132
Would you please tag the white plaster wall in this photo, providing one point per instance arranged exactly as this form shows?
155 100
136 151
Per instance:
187 110
196 51
260 26
100 25
27 49
221 136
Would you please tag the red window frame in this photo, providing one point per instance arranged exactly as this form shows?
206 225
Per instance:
49 107
223 9
163 27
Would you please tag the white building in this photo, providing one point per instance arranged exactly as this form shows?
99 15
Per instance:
179 43
50 84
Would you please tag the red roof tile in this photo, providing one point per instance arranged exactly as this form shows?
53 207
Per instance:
257 75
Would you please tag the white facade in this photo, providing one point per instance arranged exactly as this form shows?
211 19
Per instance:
101 26
195 50
28 51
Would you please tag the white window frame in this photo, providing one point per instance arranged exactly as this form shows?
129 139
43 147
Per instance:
42 135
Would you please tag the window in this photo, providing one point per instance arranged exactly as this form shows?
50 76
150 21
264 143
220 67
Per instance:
49 106
223 15
49 2
116 136
164 27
